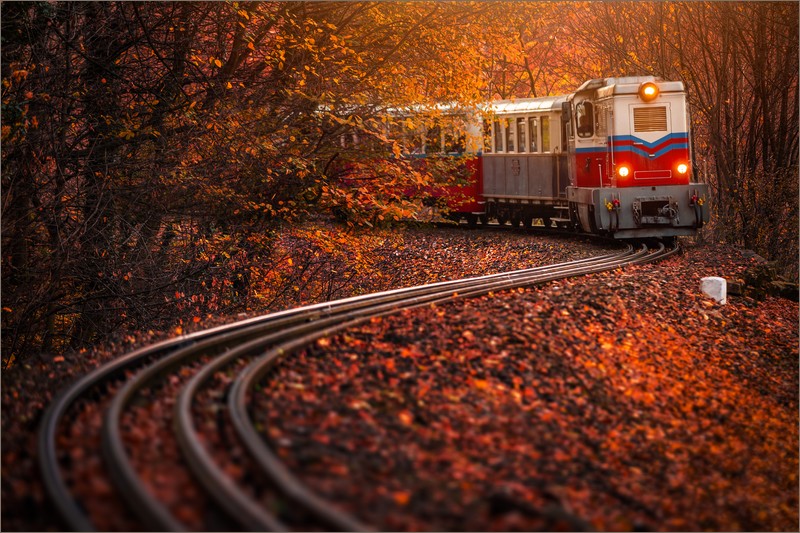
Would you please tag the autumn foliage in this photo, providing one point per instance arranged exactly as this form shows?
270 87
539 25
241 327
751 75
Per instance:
152 152
148 149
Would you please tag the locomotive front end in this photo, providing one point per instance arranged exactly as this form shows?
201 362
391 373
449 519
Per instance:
631 163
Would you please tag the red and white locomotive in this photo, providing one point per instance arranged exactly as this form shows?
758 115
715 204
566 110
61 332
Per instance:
612 158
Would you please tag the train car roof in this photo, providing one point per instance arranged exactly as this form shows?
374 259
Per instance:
526 105
628 85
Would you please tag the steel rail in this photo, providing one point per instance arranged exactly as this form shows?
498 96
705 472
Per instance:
212 341
270 464
227 494
68 508
152 511
249 513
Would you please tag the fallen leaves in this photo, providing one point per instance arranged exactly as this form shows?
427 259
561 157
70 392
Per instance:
401 497
319 262
643 408
610 400
406 417
480 384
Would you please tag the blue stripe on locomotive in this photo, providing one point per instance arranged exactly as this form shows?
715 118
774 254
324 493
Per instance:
637 149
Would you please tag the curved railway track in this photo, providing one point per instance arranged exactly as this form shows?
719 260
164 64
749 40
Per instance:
248 350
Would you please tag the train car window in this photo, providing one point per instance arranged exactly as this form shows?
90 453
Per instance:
585 118
533 129
521 143
498 136
416 144
487 137
509 136
433 140
394 133
545 134
454 141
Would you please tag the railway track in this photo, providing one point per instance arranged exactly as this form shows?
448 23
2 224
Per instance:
206 377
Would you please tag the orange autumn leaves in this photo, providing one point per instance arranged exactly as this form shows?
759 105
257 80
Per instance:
640 408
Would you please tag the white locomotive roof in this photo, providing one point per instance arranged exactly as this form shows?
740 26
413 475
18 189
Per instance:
628 85
526 105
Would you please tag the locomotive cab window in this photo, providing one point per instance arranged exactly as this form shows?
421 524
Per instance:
455 142
415 143
454 138
584 114
601 129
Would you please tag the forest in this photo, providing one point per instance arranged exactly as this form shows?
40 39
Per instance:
152 152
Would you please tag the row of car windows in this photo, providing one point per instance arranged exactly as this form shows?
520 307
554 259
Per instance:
512 135
516 134
434 141
522 134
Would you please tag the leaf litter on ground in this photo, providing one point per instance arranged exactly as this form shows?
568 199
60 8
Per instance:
623 400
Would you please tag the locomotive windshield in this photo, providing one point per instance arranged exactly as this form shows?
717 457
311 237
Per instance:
585 116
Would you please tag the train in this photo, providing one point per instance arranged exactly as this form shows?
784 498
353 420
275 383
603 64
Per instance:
612 158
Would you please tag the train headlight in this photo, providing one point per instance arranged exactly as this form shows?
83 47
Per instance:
648 91
623 171
683 168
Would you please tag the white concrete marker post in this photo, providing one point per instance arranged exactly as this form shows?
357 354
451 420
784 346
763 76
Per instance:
715 288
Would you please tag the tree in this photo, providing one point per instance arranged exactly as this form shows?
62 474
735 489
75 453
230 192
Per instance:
739 62
147 146
152 150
